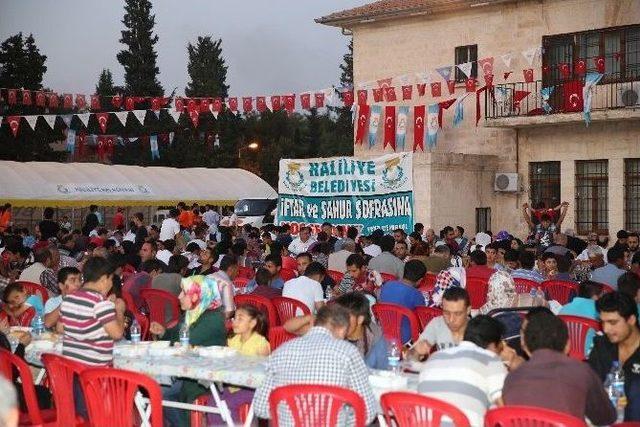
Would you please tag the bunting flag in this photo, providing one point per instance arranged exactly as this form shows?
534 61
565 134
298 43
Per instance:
565 69
232 103
67 119
418 127
374 122
506 59
31 121
432 125
26 97
319 99
436 89
71 140
384 83
103 120
580 67
67 101
247 104
445 72
422 88
12 96
545 94
116 101
275 103
362 96
406 92
153 143
531 54
401 126
458 112
600 64
204 105
140 115
444 105
156 104
451 85
465 67
95 102
261 104
470 85
179 104
14 124
329 96
389 127
347 98
194 115
423 78
363 117
377 94
518 96
129 103
590 82
81 101
305 101
506 74
84 118
486 65
122 116
50 119
390 94
53 101
528 75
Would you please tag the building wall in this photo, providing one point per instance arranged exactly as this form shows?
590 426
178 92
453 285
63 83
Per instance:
417 44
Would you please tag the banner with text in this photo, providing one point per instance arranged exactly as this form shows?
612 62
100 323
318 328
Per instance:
368 194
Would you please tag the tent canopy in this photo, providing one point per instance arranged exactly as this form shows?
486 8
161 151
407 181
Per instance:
36 184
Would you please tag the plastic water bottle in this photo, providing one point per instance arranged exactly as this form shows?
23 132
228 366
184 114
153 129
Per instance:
38 325
393 357
614 385
184 335
135 332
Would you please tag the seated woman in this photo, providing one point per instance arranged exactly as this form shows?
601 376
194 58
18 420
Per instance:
16 311
204 315
363 332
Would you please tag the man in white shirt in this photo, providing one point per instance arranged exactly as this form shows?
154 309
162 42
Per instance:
212 218
166 252
338 260
307 288
170 227
301 243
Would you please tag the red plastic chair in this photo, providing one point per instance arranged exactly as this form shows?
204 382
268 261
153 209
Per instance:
316 405
61 372
34 415
288 274
390 316
240 282
199 419
412 409
278 336
143 320
290 263
109 396
477 288
529 416
560 290
35 289
336 276
386 277
524 286
426 315
247 272
263 303
287 308
578 329
158 301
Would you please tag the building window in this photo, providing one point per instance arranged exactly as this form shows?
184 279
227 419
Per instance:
544 182
483 220
632 194
466 54
620 47
592 198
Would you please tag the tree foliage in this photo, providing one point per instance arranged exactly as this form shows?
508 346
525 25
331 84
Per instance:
105 84
207 69
21 64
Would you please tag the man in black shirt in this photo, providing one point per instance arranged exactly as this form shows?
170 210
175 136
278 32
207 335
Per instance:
140 231
48 227
621 342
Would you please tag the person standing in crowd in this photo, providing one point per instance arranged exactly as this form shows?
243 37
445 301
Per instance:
170 229
5 217
140 232
118 219
211 218
48 227
91 221
633 242
387 262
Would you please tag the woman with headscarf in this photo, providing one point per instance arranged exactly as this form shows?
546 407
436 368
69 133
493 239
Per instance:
204 315
502 294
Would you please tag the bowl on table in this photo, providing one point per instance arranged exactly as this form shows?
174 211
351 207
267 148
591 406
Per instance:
216 352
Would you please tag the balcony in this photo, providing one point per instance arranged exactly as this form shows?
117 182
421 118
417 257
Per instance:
611 101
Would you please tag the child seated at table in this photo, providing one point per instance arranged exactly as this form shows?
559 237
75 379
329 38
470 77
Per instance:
16 311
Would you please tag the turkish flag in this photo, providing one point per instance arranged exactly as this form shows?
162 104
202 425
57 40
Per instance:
233 104
81 101
116 101
319 99
275 103
362 96
572 95
565 69
422 88
377 94
192 104
217 105
384 83
488 80
41 99
129 103
12 96
436 89
363 119
305 101
451 85
470 85
600 64
347 98
518 96
528 75
580 67
261 104
247 103
390 94
110 144
418 127
156 103
14 124
486 64
290 103
95 102
194 115
444 105
67 101
26 97
390 127
179 104
406 92
100 149
103 120
53 100
204 105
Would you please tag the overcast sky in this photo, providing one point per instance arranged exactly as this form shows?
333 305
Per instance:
270 46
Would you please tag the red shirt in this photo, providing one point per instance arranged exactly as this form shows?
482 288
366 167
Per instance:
481 271
118 220
23 320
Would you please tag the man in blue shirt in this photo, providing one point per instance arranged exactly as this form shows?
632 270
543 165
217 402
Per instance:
403 292
273 263
609 273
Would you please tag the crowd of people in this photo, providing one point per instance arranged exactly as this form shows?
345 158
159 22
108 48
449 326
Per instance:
473 357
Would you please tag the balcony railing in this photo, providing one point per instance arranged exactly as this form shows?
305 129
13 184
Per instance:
565 97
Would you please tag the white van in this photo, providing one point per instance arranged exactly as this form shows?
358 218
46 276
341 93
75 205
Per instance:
257 212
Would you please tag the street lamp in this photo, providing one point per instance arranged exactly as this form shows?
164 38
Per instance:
251 146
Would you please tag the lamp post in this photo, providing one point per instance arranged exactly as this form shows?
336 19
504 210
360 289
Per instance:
251 146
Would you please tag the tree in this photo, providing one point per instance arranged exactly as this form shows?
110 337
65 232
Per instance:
105 84
207 69
139 59
344 123
21 64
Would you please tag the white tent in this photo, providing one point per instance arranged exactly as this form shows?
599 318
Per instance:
35 184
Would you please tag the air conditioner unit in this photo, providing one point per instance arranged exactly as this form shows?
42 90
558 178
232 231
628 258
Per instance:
629 95
506 182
